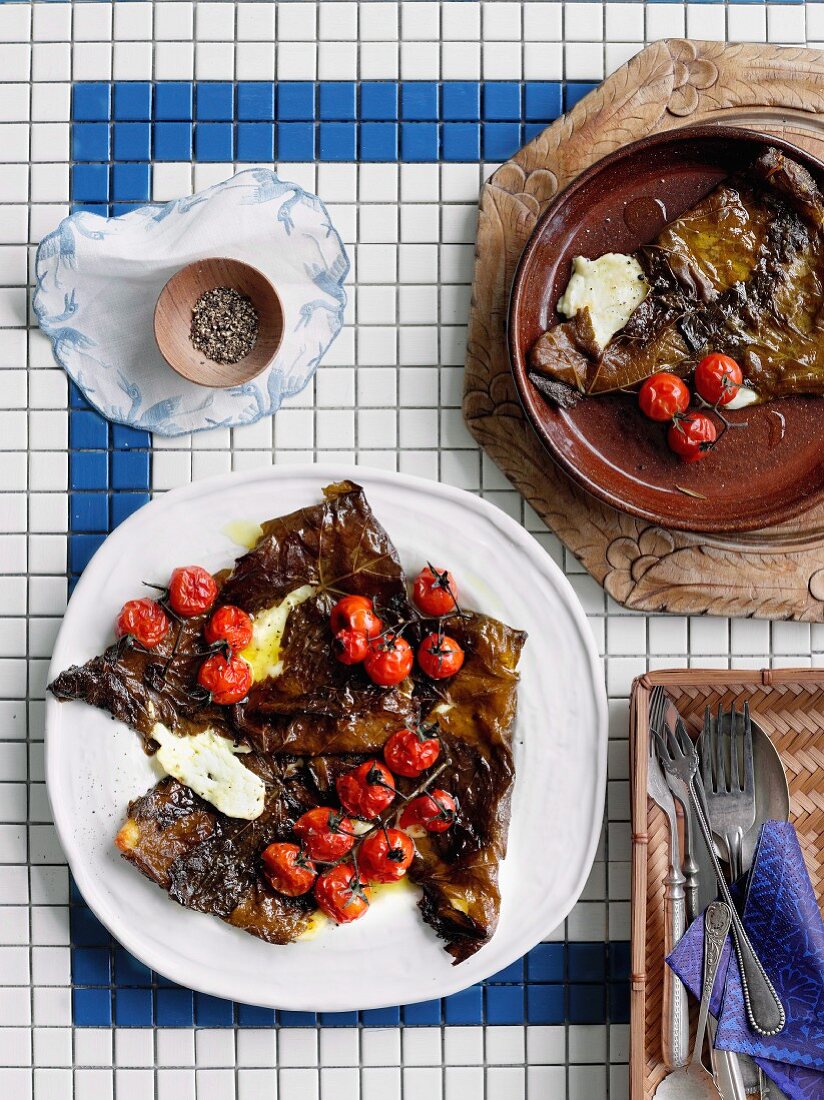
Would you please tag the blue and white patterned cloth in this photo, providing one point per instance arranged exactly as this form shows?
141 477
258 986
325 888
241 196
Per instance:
98 279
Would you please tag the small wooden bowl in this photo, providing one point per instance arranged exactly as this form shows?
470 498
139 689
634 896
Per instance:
173 321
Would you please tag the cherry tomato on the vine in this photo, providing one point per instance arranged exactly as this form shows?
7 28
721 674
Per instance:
440 656
192 590
227 679
434 591
718 379
327 834
389 660
435 811
692 436
386 855
144 620
342 893
355 613
289 869
351 646
366 790
663 395
229 624
411 751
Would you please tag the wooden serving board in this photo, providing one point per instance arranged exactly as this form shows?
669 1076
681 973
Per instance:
789 707
777 572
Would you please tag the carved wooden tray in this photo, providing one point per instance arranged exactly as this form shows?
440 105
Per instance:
777 572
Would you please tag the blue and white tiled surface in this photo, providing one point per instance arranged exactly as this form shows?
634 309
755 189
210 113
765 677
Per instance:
394 113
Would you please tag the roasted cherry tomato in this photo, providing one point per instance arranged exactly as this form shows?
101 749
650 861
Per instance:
663 395
192 590
440 656
411 751
367 789
434 591
327 834
231 625
228 679
289 869
389 660
355 613
342 893
385 855
144 620
692 436
718 378
435 811
351 646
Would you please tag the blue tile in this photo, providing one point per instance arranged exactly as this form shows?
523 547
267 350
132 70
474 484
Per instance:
512 973
542 101
214 102
100 208
336 140
86 929
90 102
130 469
465 1007
379 101
461 141
619 1002
91 966
297 1019
419 141
296 141
545 963
124 504
619 958
419 101
118 208
575 91
82 549
133 100
296 101
460 100
173 141
379 141
132 140
128 970
88 431
337 100
213 141
379 1017
125 438
501 140
532 130
88 469
255 141
77 399
424 1014
339 1019
213 1011
173 101
502 100
175 1008
586 1004
89 512
545 1004
75 897
255 1016
505 1004
134 1007
90 141
255 102
92 1007
586 962
131 182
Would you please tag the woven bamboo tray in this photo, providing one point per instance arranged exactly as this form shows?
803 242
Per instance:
789 705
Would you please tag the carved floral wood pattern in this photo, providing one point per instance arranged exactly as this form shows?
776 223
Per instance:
774 573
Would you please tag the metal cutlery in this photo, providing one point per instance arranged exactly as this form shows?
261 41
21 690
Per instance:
679 760
730 797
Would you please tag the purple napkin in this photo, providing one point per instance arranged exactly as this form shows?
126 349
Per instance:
782 918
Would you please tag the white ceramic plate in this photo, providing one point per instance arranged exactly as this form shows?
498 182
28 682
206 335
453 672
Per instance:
94 765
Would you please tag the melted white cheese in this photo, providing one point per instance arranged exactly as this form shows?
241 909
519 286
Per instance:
263 652
745 396
208 764
610 287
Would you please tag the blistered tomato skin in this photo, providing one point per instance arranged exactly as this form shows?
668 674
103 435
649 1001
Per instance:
326 833
718 379
663 396
342 894
229 624
366 790
144 620
409 752
351 646
435 592
355 613
227 679
385 856
389 660
440 656
192 590
435 811
692 436
288 869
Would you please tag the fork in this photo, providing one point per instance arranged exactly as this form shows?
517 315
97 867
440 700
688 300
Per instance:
730 798
680 761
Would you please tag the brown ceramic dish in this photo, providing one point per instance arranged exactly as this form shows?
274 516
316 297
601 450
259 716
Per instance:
173 321
757 477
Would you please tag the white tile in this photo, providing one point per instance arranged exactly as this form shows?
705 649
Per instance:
215 1047
93 1084
542 21
92 22
420 61
785 23
421 1046
133 1046
132 20
15 23
52 1046
338 21
748 22
178 1084
379 22
297 1046
296 60
706 21
174 20
461 60
461 23
255 21
254 1083
174 60
665 21
93 60
214 22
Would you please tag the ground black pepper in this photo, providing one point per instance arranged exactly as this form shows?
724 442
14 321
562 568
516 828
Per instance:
224 325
